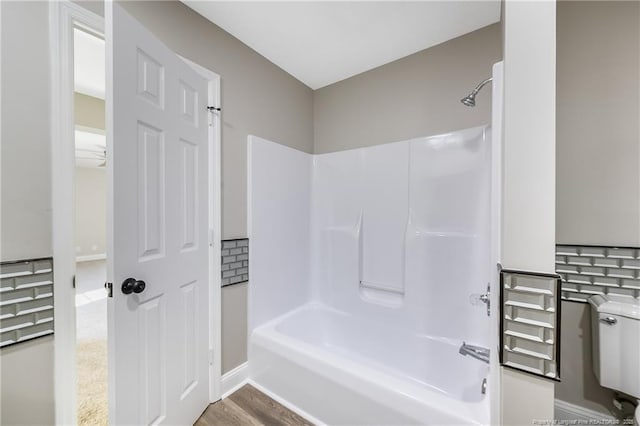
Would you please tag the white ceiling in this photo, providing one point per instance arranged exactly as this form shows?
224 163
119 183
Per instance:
89 64
321 43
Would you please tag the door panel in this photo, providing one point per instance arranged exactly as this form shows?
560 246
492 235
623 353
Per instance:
158 338
190 188
189 97
189 363
153 374
150 79
151 177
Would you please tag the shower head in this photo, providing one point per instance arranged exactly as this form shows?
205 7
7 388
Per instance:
470 99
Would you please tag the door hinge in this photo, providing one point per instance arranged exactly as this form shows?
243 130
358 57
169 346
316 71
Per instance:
214 109
211 235
210 356
487 299
73 281
109 288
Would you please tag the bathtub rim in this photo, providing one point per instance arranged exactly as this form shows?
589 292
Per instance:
419 397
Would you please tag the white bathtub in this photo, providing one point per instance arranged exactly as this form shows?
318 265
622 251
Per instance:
340 370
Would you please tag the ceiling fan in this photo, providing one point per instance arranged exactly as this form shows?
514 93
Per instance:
91 148
90 155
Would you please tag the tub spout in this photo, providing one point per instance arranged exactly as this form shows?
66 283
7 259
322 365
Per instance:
475 352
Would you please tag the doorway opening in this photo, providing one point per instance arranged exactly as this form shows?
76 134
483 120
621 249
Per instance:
78 154
90 226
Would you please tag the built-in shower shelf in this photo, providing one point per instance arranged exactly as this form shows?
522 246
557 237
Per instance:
381 287
389 297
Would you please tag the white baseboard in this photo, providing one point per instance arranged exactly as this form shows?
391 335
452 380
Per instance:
234 380
567 411
89 257
287 404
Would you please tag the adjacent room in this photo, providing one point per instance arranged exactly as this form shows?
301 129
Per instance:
90 226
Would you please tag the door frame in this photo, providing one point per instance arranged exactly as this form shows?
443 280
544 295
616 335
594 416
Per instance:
64 15
215 228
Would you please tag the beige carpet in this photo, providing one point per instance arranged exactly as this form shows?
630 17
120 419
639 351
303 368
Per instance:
92 382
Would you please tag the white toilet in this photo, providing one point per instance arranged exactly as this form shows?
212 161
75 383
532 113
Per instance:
615 327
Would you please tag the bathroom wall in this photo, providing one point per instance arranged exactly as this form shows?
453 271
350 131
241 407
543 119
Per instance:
598 126
258 97
26 393
246 77
412 97
528 176
26 195
254 101
598 159
234 325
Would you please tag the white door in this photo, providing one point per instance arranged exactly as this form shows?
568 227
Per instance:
158 336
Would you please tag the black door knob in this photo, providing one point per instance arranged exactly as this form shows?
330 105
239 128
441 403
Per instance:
131 285
139 286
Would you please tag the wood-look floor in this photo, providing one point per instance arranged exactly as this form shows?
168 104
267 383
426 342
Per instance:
248 406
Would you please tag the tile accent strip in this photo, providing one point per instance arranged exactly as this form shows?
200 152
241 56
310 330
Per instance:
530 322
589 270
235 261
26 300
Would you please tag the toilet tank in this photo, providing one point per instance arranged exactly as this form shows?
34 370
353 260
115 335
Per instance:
615 328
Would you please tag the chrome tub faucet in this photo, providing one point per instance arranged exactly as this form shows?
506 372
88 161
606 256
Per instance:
476 352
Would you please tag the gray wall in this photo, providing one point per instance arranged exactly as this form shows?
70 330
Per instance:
91 211
89 111
234 326
598 159
528 183
91 189
257 97
418 95
579 385
26 169
597 97
26 393
27 383
413 96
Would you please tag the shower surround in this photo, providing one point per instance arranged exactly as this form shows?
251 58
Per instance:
368 270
